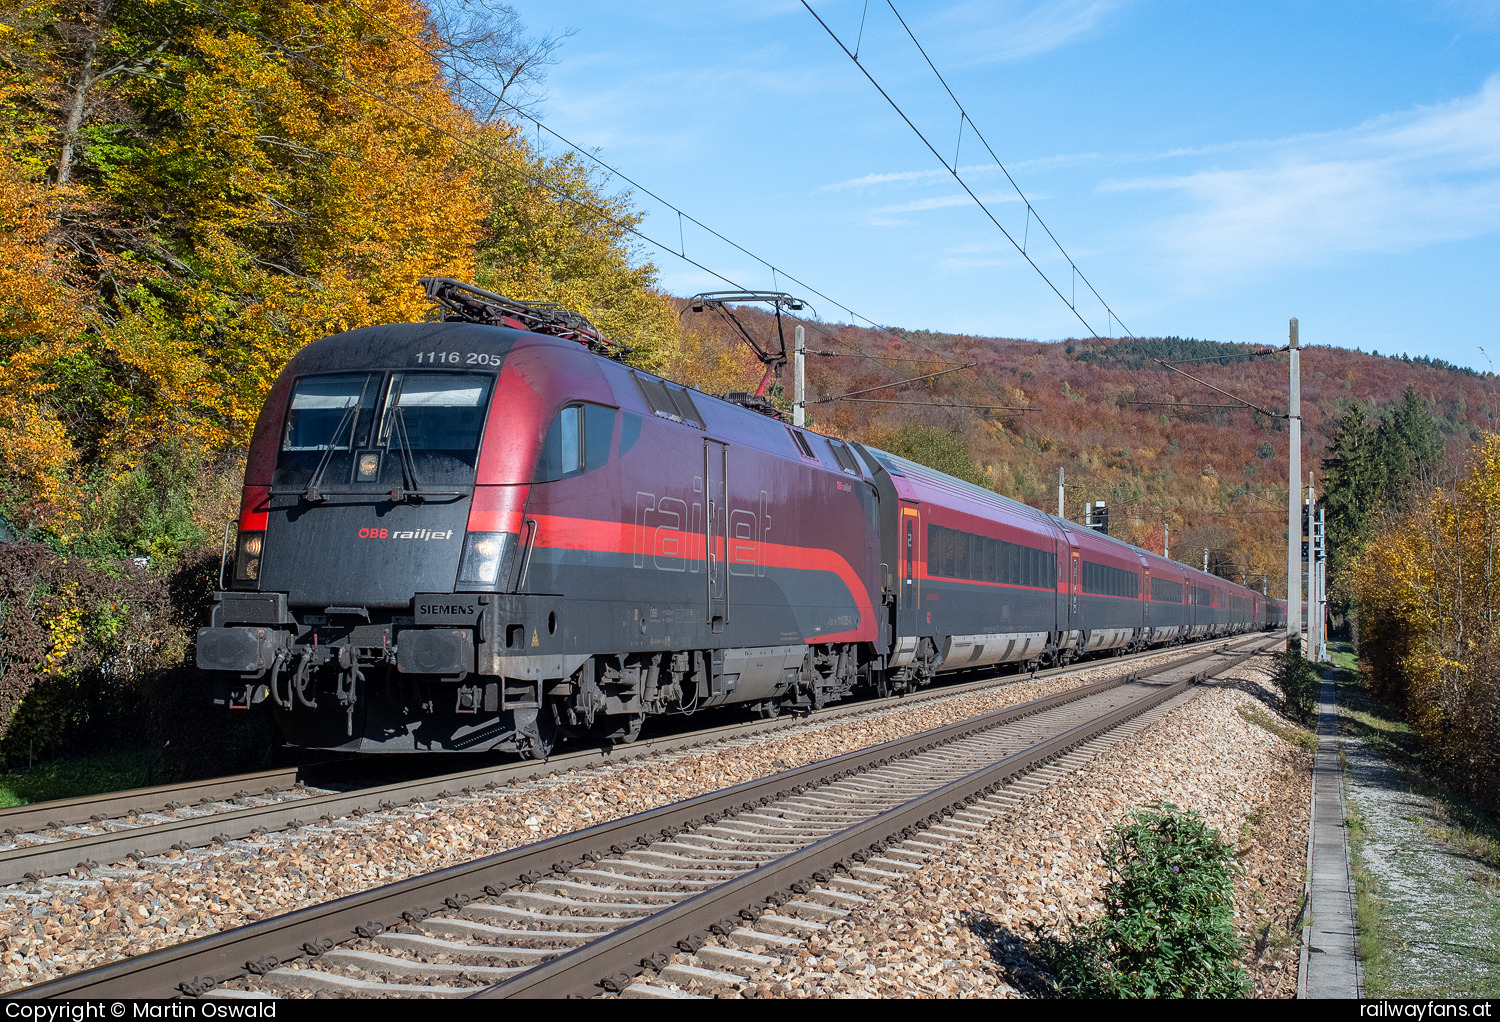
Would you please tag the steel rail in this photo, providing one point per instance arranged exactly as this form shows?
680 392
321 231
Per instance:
232 954
580 973
71 812
33 862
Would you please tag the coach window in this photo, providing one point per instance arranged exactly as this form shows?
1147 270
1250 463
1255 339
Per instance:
578 440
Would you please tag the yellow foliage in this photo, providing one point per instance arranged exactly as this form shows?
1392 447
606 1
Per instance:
1427 594
40 315
65 626
262 196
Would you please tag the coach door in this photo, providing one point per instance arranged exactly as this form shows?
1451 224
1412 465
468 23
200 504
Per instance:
1072 569
910 559
716 486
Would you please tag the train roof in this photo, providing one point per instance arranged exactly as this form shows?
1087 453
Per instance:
941 481
391 345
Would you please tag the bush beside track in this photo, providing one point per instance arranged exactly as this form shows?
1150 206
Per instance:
96 657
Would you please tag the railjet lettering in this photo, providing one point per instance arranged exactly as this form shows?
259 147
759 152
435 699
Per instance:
665 526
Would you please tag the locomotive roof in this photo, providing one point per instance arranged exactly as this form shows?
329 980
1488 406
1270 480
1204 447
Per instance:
391 344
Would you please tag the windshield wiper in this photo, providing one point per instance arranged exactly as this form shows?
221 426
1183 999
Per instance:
400 494
313 494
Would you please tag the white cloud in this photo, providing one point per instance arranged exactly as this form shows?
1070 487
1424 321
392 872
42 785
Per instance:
908 177
986 31
1393 184
946 202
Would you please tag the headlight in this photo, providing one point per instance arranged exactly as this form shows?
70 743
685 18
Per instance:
486 560
247 559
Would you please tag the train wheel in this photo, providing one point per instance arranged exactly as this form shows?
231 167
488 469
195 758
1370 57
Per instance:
541 744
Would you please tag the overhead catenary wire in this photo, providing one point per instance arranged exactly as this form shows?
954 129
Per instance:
1031 213
1076 274
953 170
936 404
682 215
1238 356
535 179
1190 404
888 386
1219 390
882 358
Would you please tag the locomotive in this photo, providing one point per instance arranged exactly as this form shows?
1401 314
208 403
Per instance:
479 533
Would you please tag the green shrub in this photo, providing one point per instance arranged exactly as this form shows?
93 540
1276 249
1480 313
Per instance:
934 447
1167 929
1297 680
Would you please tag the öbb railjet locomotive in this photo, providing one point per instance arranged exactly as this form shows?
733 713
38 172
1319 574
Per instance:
473 536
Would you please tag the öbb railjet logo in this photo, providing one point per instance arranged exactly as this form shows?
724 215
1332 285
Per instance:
415 534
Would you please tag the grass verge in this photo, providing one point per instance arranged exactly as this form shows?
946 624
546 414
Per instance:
1374 939
76 777
1470 831
1388 905
1291 733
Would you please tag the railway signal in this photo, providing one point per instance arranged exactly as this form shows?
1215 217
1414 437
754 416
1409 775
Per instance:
1099 520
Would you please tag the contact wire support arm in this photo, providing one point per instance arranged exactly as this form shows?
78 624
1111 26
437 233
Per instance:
774 359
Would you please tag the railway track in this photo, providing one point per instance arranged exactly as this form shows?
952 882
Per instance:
750 869
55 837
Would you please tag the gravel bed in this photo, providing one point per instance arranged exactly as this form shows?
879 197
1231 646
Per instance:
63 924
962 928
141 818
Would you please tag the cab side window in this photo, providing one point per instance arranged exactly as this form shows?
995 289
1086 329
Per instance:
578 440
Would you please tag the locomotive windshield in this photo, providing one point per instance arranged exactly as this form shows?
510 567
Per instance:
429 425
330 412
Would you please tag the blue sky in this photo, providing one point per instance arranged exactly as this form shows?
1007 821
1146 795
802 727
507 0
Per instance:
1213 169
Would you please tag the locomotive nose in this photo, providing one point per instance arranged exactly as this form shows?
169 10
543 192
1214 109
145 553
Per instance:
362 552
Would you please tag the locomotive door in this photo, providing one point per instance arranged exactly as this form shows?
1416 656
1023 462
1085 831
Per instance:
716 494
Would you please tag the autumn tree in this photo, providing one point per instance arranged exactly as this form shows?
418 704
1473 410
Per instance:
1428 590
207 188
